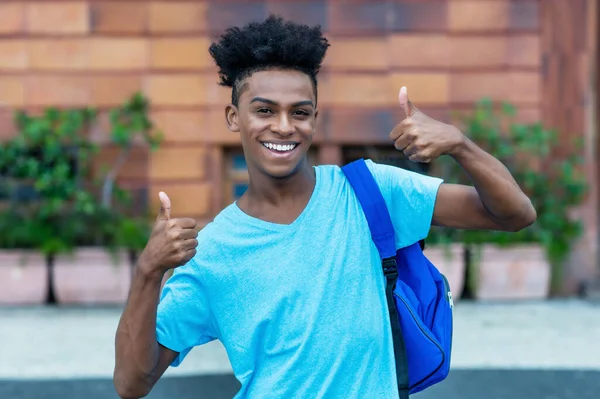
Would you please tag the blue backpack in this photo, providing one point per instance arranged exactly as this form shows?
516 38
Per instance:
418 295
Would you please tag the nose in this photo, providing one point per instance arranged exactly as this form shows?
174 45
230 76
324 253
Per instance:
283 126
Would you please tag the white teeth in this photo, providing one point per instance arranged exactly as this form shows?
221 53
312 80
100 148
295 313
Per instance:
280 147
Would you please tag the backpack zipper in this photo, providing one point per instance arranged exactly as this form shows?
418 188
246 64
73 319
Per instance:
430 338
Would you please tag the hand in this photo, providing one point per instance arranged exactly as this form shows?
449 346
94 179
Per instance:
421 138
172 242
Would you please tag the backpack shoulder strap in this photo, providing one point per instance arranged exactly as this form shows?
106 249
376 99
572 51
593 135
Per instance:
373 205
383 234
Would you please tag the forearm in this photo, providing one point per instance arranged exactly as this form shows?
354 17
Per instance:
137 350
500 194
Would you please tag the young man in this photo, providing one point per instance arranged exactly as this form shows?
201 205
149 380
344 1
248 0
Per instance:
288 278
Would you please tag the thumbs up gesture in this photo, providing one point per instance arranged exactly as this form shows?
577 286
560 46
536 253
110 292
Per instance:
421 138
172 242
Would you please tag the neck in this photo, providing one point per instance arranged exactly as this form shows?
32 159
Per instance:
265 189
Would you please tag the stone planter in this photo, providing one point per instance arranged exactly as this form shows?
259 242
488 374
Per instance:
23 278
91 276
519 272
451 263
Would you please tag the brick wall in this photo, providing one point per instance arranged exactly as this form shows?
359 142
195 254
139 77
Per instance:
448 52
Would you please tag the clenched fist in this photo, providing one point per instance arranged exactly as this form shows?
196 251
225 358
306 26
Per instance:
172 242
421 138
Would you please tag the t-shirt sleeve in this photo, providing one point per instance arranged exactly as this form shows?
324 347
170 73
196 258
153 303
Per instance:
184 318
410 198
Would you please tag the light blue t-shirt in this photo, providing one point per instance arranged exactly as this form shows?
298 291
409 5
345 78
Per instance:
299 308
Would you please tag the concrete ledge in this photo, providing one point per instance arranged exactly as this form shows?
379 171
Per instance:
51 342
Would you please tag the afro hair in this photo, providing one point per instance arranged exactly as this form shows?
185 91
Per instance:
271 44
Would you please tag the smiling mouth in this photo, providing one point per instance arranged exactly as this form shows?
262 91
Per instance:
281 148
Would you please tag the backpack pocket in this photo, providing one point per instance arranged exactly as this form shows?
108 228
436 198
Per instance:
425 353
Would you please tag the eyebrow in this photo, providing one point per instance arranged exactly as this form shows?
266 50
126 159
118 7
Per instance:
267 101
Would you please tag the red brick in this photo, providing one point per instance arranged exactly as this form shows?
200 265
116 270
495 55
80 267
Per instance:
215 129
120 17
115 54
12 91
330 154
47 90
135 168
414 50
525 14
529 114
353 18
517 87
592 29
12 17
368 90
178 163
13 55
58 17
59 54
181 126
113 90
177 89
525 87
361 125
424 89
524 51
216 94
174 16
525 114
358 54
187 199
222 14
180 53
302 11
422 15
478 15
7 126
474 51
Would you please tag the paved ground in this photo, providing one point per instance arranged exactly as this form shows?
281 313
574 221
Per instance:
461 384
528 350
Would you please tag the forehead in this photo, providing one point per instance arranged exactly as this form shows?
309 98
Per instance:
282 86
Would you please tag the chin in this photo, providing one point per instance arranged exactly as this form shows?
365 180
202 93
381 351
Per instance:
282 172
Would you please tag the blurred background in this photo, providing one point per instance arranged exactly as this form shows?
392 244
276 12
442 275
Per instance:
105 103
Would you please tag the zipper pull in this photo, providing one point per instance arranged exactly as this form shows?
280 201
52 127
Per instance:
450 300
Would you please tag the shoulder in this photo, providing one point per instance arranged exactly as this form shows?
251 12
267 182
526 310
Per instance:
394 178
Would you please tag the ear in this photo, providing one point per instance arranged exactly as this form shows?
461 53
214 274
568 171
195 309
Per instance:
232 118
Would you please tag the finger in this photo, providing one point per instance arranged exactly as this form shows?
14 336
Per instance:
185 223
420 158
397 131
405 104
165 207
192 243
402 142
188 255
410 150
188 234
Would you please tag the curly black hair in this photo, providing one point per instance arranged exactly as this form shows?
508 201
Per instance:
271 44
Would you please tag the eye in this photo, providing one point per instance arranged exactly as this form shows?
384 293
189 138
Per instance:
302 112
264 111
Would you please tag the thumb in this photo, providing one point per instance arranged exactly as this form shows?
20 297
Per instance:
407 106
165 206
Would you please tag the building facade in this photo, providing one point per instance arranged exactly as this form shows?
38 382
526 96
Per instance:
539 55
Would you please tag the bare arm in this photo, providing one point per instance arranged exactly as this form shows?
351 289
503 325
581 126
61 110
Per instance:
140 359
496 201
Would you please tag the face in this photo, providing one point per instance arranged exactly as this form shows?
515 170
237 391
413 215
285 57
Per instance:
276 118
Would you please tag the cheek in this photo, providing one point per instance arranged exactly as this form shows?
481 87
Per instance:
308 127
252 127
